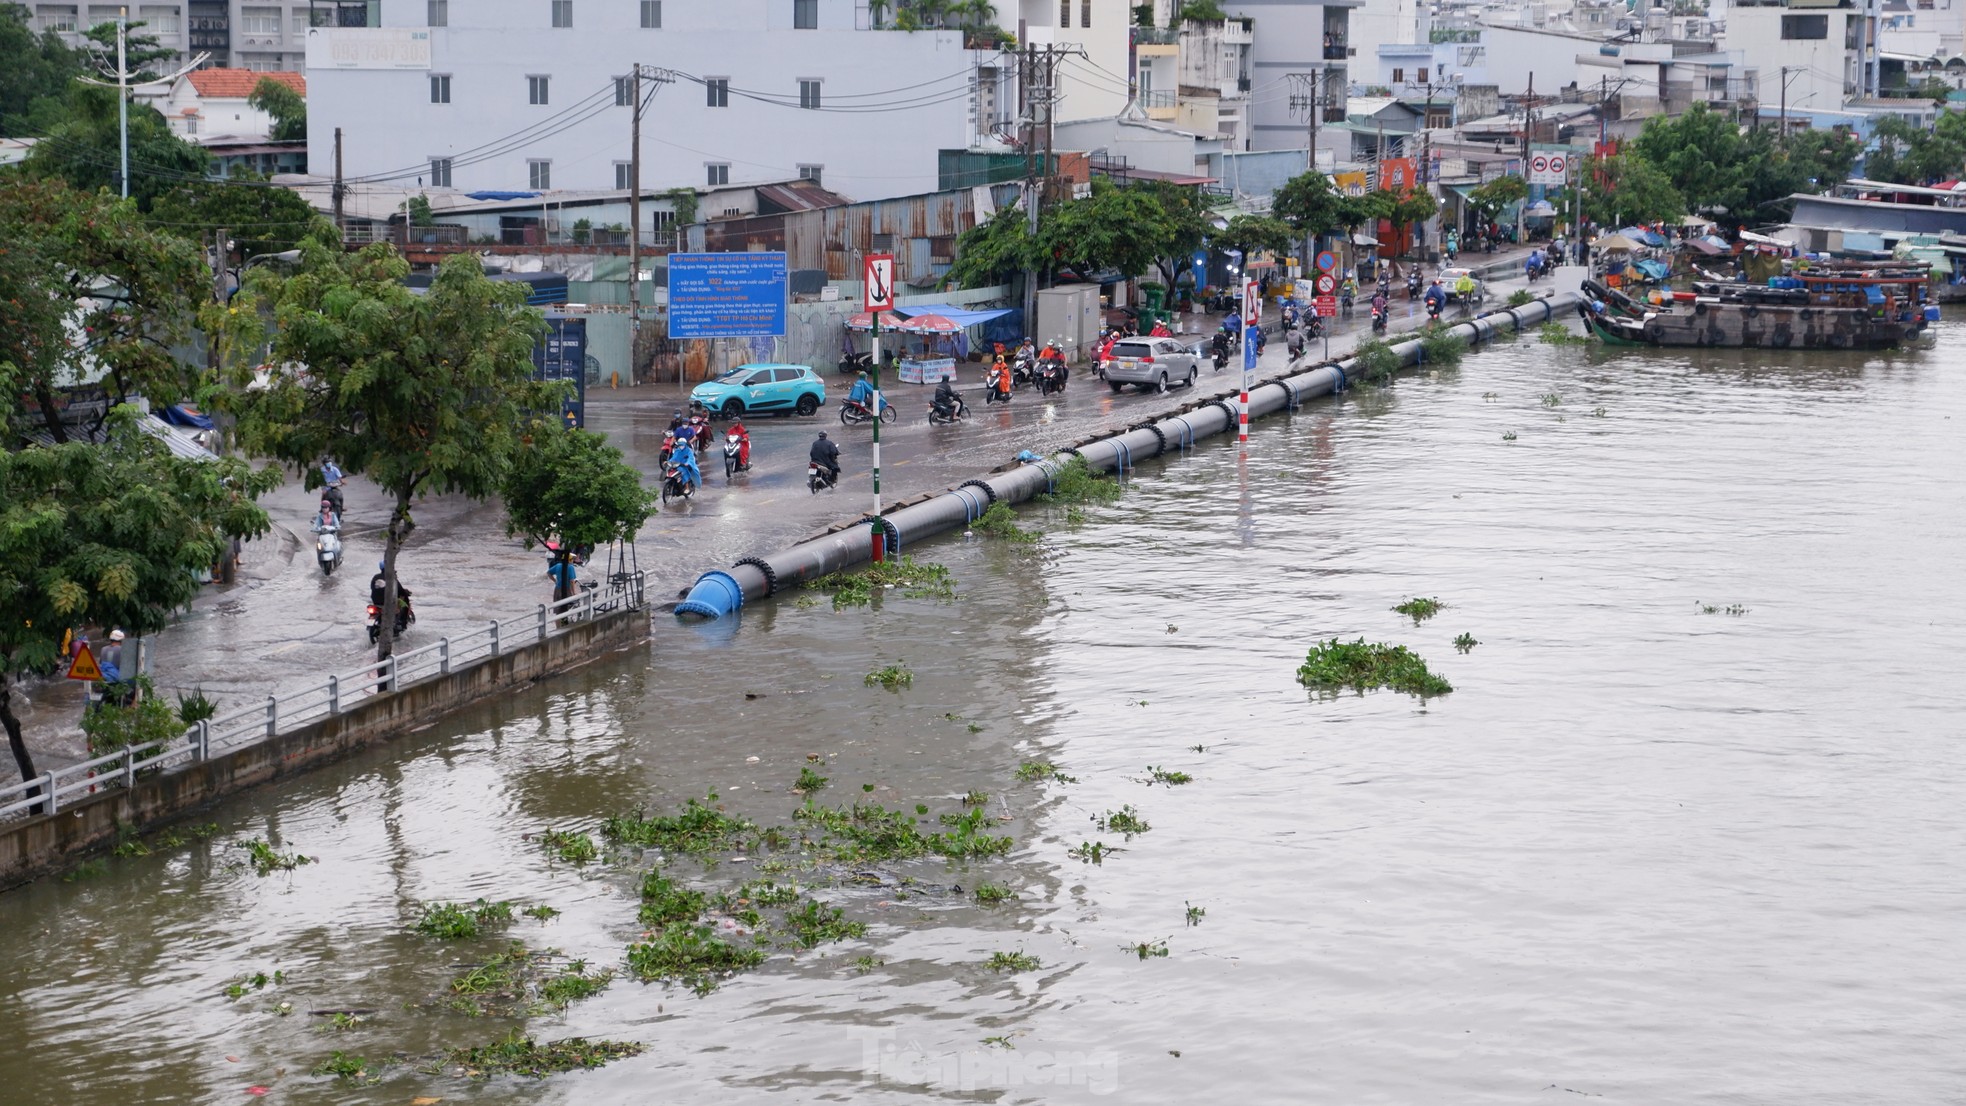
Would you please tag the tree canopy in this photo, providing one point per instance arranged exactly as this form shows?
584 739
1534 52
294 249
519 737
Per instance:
35 71
1699 153
421 393
258 217
1492 198
1310 204
1907 154
83 149
1625 189
570 486
109 534
287 107
92 289
1127 228
1249 234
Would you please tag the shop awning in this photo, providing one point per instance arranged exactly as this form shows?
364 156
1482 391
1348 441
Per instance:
958 315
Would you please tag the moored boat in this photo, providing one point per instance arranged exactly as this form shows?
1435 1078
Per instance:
1833 306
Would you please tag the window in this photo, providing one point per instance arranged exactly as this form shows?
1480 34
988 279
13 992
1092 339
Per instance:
757 379
1064 13
1420 75
624 174
1085 13
786 376
562 13
719 173
260 21
652 14
1399 76
438 13
103 13
56 18
536 89
811 172
440 172
624 91
716 91
541 173
160 21
808 93
805 15
190 124
440 88
1805 26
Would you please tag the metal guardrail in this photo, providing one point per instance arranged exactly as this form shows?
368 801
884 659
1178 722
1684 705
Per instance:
56 788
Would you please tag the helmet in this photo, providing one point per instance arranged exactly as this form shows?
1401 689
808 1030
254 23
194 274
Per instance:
863 375
822 435
381 566
116 635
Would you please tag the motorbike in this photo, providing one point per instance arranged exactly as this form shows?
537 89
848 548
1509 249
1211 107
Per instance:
856 363
405 618
1051 377
818 477
1412 286
733 448
1433 310
853 412
1313 326
937 417
327 549
1023 371
675 485
332 494
1378 320
1221 356
1345 305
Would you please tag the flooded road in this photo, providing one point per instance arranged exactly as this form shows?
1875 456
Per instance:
1685 831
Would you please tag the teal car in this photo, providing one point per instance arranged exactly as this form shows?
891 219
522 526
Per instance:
768 389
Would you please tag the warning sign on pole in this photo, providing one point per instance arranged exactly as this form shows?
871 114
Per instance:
84 666
1327 306
878 275
1252 302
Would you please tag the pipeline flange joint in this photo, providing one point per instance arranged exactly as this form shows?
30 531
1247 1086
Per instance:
1159 436
989 493
1229 410
1290 393
973 505
765 569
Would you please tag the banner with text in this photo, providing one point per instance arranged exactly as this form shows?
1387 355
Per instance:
727 295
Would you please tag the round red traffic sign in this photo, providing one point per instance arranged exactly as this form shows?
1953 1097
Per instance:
1326 284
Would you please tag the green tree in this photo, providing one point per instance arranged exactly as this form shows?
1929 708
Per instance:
421 393
96 290
1403 210
107 535
571 487
1779 166
1491 199
1178 228
258 217
1626 189
994 250
1116 228
83 150
287 107
1248 234
1700 154
35 71
1906 154
140 51
1309 203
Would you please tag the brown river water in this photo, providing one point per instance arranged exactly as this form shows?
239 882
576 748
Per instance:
1644 852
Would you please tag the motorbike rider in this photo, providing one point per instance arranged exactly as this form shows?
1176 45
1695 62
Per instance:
1220 346
1413 283
1347 293
826 454
1436 297
326 520
743 436
1380 306
862 393
379 582
1464 287
683 460
1533 265
946 399
1295 344
998 382
676 421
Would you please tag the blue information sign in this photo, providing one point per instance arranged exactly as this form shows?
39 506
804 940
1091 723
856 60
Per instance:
562 355
1249 348
726 295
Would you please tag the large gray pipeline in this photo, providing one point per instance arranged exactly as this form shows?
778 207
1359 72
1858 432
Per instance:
719 593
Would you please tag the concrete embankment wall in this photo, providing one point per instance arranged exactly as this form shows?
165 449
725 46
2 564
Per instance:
36 846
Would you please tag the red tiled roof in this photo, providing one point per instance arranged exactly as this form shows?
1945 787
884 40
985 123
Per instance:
237 84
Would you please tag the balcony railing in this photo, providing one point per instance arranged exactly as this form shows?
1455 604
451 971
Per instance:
1158 98
1156 36
1334 48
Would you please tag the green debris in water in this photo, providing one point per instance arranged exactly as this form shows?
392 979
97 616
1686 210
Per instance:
1440 346
1333 665
914 579
1520 297
1465 642
698 828
266 860
809 781
1420 609
1195 913
1000 522
1019 961
353 1069
1125 820
574 848
1091 852
1076 482
893 677
1035 771
1374 361
1166 777
541 912
573 983
814 924
690 954
1557 334
664 901
994 894
1147 950
449 921
517 1055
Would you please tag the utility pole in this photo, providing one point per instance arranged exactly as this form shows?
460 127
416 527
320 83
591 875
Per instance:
336 193
1783 132
123 95
1039 88
1311 86
220 255
1528 125
658 78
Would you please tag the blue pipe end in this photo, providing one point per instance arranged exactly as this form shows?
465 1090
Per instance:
715 595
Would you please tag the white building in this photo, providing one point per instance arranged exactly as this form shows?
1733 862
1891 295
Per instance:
213 101
1195 73
267 35
1088 87
1300 63
1811 55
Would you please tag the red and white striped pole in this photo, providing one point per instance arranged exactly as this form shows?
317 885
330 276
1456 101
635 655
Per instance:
1252 317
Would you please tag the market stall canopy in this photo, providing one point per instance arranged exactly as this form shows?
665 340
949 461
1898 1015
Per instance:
1362 239
1541 208
1615 242
1654 270
1648 237
865 321
959 315
1708 245
931 324
1695 221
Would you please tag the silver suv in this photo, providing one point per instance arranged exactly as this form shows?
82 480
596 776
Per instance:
1150 363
